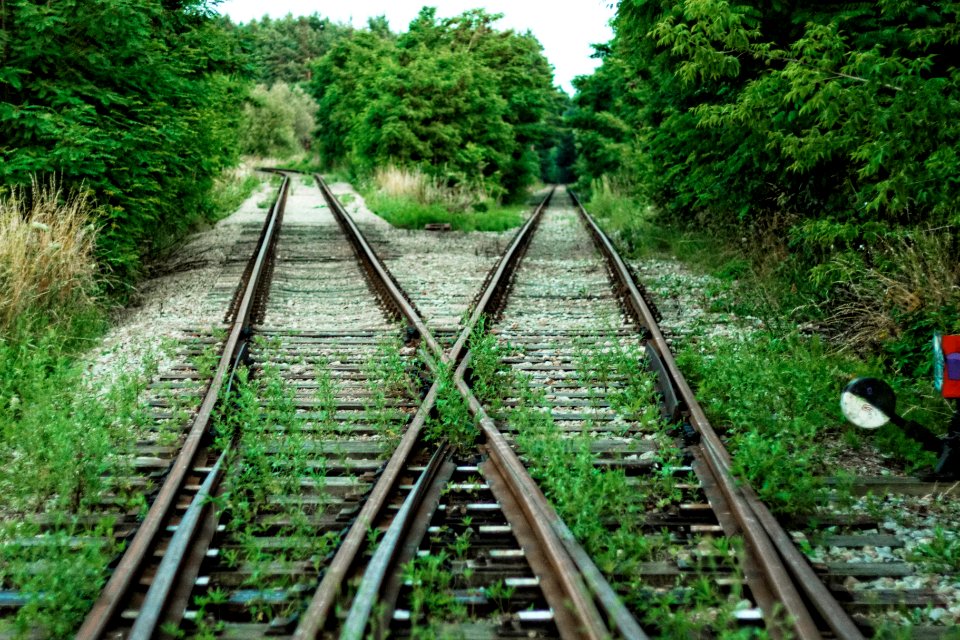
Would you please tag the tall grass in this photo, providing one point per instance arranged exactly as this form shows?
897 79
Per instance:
47 266
64 439
892 300
413 184
410 199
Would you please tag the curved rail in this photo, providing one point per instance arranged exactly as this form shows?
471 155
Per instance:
121 580
773 544
588 620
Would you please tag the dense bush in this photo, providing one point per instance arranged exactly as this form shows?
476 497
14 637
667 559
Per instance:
455 97
130 99
826 134
277 121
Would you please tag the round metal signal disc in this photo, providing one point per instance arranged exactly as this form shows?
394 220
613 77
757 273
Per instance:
861 403
861 413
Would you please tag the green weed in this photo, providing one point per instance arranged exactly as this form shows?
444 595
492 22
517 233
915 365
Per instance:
64 450
272 459
605 509
490 379
387 378
941 553
451 421
410 214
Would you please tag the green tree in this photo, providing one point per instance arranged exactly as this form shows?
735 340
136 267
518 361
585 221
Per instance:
278 121
284 50
828 130
130 98
454 96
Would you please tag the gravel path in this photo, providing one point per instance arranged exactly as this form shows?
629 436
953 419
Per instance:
193 290
442 272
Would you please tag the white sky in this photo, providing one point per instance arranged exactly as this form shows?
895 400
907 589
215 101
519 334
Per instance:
565 30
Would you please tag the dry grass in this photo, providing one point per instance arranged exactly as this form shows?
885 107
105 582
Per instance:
47 263
919 274
412 184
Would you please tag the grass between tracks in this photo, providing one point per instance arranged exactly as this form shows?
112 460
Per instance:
773 390
276 487
439 579
604 509
410 200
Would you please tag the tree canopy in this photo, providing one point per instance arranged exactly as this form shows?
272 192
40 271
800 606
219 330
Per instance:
284 49
842 112
455 97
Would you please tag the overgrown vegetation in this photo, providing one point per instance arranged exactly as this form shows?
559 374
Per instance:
455 98
64 449
823 138
773 389
274 491
132 99
603 507
452 421
277 122
411 199
47 264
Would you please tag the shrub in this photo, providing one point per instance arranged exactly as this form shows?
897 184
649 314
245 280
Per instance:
133 99
277 122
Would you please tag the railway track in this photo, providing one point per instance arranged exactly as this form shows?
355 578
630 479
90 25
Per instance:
523 459
427 572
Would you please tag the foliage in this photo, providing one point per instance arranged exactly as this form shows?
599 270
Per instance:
604 508
278 121
455 97
284 49
272 457
63 445
451 421
410 199
823 134
130 99
941 551
58 577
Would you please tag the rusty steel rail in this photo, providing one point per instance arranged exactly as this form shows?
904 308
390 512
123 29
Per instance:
571 597
325 596
115 592
571 563
388 291
541 511
784 569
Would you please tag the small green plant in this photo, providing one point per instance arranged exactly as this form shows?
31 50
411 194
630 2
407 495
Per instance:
941 553
491 379
452 420
432 601
388 380
499 593
271 478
